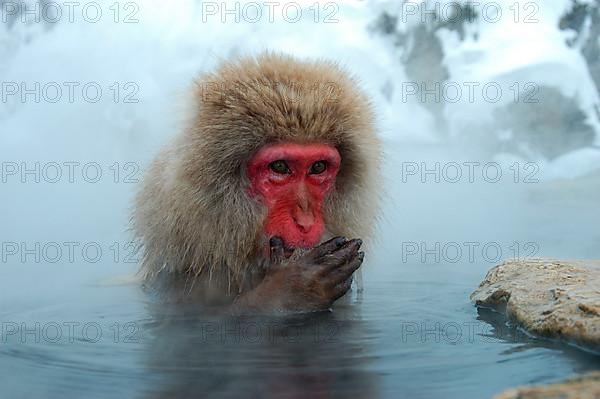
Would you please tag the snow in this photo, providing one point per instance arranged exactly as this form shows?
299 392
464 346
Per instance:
508 52
162 53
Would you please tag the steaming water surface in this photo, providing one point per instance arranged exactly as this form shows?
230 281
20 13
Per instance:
80 329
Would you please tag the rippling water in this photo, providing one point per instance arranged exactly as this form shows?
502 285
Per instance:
79 329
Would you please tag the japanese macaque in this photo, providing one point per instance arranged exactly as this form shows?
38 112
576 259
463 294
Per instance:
255 202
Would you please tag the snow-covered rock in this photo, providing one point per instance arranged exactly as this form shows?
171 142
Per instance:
549 298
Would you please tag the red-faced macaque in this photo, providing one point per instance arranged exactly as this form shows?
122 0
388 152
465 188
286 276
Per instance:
260 201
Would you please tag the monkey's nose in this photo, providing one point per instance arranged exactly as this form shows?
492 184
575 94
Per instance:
305 221
303 215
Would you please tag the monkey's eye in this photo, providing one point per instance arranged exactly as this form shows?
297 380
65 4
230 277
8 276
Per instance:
279 166
318 167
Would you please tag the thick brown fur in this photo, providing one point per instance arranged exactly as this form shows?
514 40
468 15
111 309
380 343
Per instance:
193 214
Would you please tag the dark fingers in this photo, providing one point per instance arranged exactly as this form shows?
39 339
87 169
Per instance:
277 250
328 247
345 272
343 255
341 289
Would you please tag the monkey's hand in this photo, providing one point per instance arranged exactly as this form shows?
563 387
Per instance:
310 282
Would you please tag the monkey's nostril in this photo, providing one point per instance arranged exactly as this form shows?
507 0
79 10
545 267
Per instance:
304 229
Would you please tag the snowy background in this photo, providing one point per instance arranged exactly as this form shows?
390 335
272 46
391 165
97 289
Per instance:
432 68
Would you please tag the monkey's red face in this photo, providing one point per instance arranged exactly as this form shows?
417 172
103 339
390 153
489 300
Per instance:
293 180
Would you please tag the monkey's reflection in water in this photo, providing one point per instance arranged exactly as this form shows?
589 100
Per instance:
321 355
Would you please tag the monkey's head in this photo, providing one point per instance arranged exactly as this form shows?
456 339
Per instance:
276 147
293 180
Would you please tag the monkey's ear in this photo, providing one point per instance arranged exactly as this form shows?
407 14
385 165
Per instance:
277 250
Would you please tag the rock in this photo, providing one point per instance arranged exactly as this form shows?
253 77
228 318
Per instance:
586 386
547 297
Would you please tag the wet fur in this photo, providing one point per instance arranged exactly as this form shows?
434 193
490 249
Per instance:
193 214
